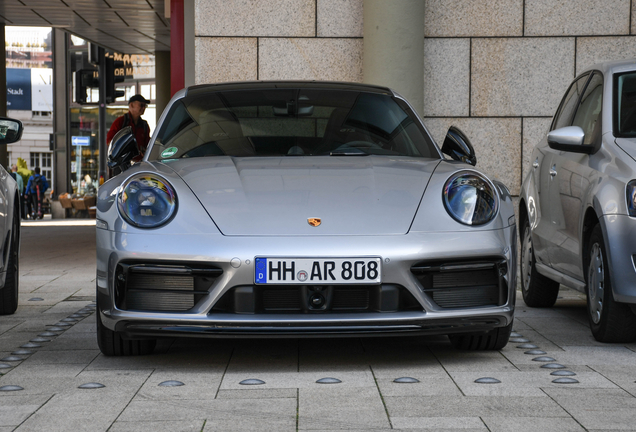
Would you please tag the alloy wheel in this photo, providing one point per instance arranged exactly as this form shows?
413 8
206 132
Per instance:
596 282
526 259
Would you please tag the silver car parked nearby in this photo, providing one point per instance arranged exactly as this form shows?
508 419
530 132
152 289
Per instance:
286 209
578 203
10 132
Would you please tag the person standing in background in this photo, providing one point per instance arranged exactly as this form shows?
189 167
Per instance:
140 129
36 186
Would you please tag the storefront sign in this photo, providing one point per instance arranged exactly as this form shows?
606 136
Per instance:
30 89
81 141
134 66
19 89
41 89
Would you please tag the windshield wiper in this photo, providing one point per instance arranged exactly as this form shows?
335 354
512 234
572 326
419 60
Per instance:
348 153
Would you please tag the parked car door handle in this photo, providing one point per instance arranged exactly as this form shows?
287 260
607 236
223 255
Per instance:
535 164
553 171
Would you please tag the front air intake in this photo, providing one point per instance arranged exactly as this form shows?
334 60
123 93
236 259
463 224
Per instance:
155 292
463 284
162 288
250 299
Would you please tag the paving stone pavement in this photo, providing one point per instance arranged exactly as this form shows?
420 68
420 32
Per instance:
57 277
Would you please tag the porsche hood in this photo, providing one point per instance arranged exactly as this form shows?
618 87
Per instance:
274 196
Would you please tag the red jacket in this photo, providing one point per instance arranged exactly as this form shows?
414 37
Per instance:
141 132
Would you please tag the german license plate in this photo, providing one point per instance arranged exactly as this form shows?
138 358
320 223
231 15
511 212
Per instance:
318 271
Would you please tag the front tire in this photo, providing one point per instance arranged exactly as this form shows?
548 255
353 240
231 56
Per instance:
111 343
495 339
538 290
9 293
610 321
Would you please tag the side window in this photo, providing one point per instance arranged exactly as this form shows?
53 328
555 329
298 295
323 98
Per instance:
588 114
568 105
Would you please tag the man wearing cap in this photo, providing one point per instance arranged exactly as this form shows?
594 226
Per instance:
140 129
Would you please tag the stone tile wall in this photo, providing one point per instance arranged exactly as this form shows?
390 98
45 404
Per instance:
498 69
495 68
278 39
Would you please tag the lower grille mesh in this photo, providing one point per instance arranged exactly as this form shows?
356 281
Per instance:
463 284
163 282
281 299
159 301
350 299
467 297
250 299
163 288
461 279
152 292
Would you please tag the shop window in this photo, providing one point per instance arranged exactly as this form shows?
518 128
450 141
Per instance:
149 91
130 90
42 160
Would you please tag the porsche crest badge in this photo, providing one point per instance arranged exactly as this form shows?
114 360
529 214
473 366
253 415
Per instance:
314 222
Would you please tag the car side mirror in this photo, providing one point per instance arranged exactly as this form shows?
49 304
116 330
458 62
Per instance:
10 130
122 149
569 139
458 146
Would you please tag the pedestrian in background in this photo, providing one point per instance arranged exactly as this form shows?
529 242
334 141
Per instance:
36 186
140 129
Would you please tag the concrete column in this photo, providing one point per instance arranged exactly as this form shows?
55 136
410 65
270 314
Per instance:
62 86
393 54
4 155
177 56
162 80
188 43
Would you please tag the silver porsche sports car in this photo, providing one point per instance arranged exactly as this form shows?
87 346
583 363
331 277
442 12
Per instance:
578 202
300 209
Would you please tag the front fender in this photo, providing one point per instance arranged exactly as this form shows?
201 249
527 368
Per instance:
190 217
432 216
619 235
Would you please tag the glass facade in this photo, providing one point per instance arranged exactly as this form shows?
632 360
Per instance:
29 63
84 117
42 160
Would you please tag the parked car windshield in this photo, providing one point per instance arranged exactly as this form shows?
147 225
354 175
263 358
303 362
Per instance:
625 105
291 122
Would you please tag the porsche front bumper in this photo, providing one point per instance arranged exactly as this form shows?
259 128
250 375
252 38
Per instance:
234 257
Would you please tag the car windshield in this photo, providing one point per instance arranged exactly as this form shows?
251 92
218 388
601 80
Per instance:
625 105
290 122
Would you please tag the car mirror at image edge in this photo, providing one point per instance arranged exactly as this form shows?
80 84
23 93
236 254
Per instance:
458 146
122 149
570 139
10 130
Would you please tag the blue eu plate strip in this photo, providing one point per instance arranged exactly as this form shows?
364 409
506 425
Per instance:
260 269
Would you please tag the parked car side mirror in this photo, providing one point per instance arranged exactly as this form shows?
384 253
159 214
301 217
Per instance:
122 149
569 139
458 147
10 130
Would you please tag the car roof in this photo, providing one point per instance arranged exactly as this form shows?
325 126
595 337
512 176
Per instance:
264 85
612 67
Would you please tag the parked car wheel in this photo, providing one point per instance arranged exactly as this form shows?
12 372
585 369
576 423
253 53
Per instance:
111 343
537 290
9 294
610 321
495 339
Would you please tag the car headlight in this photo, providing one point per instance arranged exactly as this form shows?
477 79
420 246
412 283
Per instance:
470 198
147 201
631 198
